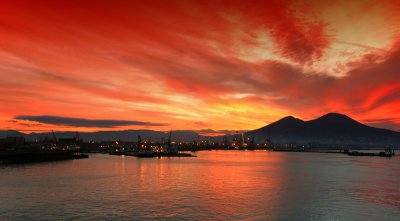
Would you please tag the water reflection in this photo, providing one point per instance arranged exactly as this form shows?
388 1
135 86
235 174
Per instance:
217 185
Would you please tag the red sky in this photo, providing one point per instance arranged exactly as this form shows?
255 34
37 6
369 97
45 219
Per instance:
221 65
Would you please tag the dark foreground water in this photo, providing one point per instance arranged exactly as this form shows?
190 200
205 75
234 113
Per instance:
217 185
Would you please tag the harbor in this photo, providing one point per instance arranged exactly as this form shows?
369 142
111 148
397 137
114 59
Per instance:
16 150
147 149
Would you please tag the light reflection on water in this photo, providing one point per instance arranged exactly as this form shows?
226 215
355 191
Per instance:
217 185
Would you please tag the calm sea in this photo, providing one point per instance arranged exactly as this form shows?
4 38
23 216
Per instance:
217 185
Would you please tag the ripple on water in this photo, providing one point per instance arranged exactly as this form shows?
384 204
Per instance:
217 185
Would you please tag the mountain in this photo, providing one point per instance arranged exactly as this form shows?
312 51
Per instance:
330 129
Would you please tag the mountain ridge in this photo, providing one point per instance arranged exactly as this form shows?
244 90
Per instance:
331 128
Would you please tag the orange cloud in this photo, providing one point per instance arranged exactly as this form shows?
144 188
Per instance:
232 65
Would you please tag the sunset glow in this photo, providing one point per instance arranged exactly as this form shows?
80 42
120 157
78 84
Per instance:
196 65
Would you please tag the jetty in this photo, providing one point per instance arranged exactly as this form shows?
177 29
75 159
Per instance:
36 157
387 153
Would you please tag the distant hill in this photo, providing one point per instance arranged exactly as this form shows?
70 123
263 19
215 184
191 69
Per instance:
126 135
10 133
332 128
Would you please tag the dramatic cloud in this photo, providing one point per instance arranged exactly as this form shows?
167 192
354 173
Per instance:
80 122
224 65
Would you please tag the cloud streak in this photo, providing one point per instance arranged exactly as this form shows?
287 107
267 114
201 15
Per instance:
81 122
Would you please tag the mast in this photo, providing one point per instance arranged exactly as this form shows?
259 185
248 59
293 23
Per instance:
149 144
54 136
139 142
54 144
268 142
169 140
252 144
77 138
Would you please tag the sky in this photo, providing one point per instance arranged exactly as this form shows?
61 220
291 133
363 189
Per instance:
212 66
